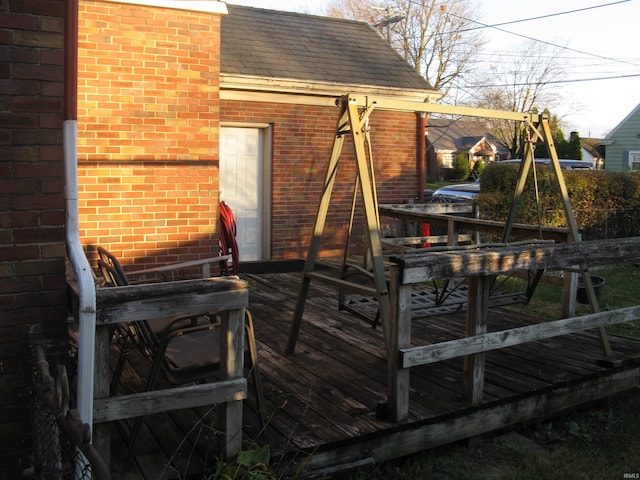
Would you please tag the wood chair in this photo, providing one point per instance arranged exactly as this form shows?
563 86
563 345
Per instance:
182 350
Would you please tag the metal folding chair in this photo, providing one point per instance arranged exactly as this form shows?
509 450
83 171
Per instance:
182 350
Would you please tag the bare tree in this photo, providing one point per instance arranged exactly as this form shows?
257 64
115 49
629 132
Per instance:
432 35
519 81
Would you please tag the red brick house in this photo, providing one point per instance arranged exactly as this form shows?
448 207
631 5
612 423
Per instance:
148 120
154 92
32 269
280 76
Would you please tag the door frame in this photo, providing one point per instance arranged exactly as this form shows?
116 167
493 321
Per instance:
265 178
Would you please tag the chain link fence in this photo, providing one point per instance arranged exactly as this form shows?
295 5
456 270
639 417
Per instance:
61 442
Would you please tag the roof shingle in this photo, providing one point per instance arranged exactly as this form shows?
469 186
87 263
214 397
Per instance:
286 45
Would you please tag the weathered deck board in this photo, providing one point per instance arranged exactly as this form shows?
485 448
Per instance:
321 401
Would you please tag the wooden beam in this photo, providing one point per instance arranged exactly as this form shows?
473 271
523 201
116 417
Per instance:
363 101
232 337
169 299
343 283
418 210
400 442
156 401
400 338
474 364
414 356
494 261
425 213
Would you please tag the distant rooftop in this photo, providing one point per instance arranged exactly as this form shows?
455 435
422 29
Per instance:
460 135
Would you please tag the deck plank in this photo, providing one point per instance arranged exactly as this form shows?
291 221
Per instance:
321 401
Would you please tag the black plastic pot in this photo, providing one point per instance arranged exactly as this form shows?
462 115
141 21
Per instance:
598 287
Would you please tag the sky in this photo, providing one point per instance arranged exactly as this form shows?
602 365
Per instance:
596 39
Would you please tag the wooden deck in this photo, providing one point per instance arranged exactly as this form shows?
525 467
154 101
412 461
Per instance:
322 401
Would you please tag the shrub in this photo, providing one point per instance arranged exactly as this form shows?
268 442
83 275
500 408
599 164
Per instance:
461 166
478 168
604 204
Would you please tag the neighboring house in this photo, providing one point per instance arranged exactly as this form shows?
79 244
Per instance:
447 138
281 74
592 151
622 144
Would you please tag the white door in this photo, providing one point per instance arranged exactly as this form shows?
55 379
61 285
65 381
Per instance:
241 185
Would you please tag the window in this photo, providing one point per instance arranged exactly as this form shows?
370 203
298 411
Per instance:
634 161
447 160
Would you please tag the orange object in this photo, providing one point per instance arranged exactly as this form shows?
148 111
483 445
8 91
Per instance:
426 232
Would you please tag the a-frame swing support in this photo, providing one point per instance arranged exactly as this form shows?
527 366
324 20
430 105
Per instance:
353 120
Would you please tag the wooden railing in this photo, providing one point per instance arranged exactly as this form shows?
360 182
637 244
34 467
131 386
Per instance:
227 296
456 217
481 266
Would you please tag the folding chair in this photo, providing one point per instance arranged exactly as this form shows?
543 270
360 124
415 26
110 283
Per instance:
183 350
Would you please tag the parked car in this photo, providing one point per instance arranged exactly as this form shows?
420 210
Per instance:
459 192
465 192
565 164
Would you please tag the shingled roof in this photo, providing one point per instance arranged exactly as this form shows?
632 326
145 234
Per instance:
308 48
460 135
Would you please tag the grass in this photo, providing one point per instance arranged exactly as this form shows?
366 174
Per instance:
620 290
600 442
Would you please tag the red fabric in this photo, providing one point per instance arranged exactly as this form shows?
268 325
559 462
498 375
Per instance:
426 232
228 244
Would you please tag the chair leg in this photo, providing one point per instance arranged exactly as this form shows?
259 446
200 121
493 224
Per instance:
136 423
130 439
117 373
255 369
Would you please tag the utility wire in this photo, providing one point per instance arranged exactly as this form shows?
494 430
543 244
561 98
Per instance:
556 81
511 22
484 25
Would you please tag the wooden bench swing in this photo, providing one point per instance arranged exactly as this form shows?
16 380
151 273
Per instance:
393 276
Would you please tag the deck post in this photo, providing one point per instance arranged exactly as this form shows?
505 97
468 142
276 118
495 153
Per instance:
399 338
569 291
474 365
232 350
101 434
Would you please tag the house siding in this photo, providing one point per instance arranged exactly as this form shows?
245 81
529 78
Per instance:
148 111
32 270
625 138
301 148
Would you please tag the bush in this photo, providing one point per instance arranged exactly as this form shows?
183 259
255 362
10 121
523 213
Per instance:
461 166
604 204
478 168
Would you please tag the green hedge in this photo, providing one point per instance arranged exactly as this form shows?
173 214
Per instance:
604 204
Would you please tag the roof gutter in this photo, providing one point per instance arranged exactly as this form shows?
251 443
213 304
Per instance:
86 289
268 89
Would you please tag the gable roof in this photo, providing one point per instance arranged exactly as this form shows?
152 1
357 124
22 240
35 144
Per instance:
459 135
608 138
593 146
271 44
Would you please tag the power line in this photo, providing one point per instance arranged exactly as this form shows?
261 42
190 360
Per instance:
484 25
577 80
511 22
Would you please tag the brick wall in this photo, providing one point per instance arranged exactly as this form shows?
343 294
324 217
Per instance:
302 141
32 281
148 103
